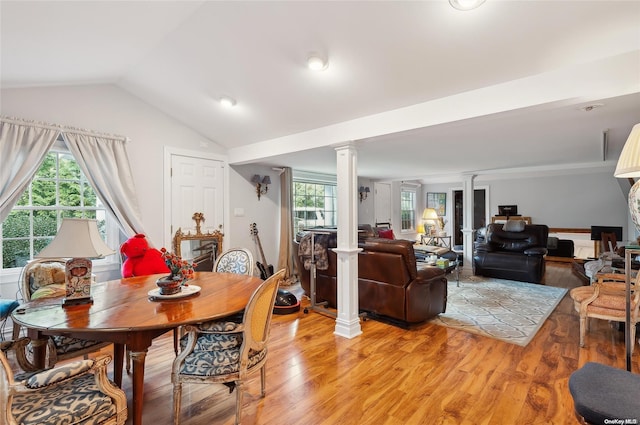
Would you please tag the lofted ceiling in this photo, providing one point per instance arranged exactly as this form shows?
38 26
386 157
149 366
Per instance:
422 90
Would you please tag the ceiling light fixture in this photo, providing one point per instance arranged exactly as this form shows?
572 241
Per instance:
465 4
317 63
591 107
227 102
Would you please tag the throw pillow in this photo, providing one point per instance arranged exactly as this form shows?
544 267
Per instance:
514 226
386 234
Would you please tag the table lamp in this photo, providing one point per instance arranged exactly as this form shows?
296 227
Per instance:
79 240
429 215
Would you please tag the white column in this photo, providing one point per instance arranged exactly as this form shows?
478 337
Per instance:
347 319
467 222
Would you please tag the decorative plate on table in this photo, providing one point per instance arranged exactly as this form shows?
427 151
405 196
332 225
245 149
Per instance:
186 291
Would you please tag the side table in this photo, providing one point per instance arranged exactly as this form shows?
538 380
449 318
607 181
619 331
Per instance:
443 241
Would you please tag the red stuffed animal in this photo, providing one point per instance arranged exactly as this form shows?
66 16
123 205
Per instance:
141 259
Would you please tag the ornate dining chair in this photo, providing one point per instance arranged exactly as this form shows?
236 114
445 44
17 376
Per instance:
228 352
78 392
606 299
235 260
45 278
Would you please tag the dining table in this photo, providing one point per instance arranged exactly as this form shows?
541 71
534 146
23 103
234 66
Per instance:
130 312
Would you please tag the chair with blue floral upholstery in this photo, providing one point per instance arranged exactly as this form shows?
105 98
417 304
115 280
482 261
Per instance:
235 260
78 392
227 352
45 278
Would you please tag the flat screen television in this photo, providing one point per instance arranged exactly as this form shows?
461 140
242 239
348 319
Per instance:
508 210
596 232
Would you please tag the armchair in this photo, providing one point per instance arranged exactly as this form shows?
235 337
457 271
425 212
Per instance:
228 352
44 278
606 300
514 251
78 392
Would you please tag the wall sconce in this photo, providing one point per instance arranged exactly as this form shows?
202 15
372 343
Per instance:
262 184
364 192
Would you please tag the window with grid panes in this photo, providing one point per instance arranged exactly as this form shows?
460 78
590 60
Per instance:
58 190
407 209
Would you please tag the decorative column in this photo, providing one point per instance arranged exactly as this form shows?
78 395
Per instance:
467 222
347 319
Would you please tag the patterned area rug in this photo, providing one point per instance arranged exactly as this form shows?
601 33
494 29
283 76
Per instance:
502 309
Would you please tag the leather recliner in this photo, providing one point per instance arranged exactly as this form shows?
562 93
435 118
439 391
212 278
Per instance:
514 255
390 286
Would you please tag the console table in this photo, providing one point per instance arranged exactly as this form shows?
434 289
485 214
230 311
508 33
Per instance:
444 241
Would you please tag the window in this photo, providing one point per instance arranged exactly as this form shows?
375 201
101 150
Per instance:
314 201
58 190
407 208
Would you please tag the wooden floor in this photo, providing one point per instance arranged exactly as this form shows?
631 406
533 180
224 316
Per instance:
428 375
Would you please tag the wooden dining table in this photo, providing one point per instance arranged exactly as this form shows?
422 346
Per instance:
123 312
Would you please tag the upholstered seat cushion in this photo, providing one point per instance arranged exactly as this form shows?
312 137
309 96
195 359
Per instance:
602 394
7 306
65 344
605 303
216 354
76 401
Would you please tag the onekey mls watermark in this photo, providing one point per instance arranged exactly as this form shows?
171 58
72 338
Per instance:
621 421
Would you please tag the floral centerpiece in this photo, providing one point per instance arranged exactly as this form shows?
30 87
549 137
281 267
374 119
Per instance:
181 271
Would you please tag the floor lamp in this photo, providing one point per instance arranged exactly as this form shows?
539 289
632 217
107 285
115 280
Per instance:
629 167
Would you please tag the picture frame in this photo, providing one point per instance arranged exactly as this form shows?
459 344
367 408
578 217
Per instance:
437 201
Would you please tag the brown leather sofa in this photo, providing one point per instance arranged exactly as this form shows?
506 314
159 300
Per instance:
516 255
389 285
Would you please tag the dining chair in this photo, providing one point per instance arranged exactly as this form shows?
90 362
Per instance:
77 392
235 260
45 278
606 299
228 352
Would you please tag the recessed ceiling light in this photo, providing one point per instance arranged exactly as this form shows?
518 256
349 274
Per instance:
227 102
317 63
465 4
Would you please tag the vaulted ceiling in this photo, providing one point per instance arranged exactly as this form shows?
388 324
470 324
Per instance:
422 90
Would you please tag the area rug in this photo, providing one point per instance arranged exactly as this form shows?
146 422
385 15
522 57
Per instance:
507 310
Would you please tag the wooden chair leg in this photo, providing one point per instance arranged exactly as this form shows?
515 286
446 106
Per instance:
175 340
583 330
177 401
239 390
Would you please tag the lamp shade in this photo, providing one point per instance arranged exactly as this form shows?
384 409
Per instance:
76 238
429 214
255 178
266 180
629 161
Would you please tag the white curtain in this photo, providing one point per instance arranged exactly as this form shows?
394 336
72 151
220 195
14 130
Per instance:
105 163
285 257
23 146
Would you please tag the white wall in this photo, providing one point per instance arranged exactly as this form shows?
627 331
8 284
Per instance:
246 209
568 201
109 109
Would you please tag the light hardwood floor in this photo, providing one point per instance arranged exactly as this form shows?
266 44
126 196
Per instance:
427 375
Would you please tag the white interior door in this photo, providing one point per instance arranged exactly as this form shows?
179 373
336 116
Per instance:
382 202
197 185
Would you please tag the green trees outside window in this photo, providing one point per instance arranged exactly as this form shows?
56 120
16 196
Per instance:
58 190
